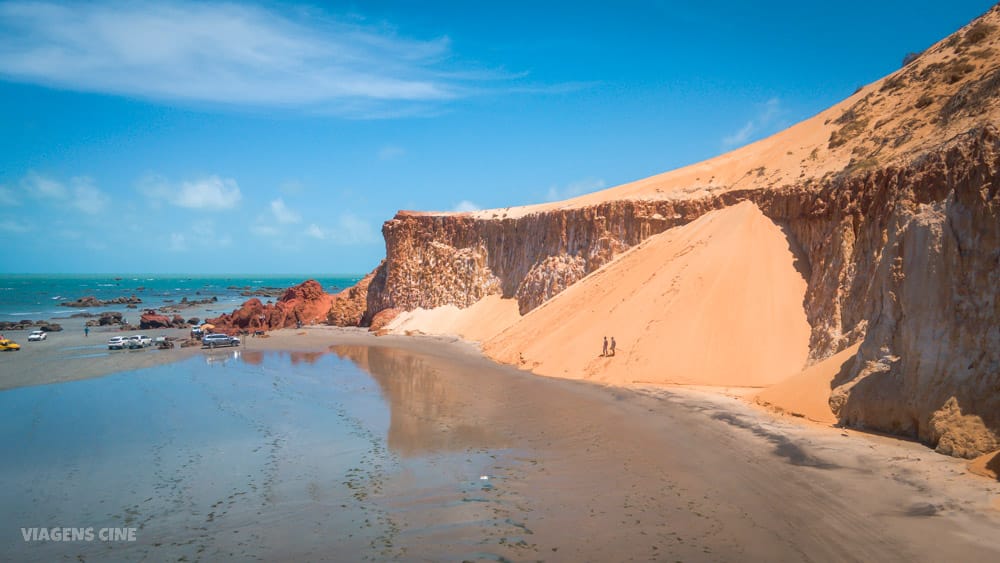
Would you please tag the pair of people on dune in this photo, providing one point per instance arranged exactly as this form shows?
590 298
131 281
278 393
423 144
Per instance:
613 344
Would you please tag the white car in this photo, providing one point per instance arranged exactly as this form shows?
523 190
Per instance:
139 341
37 335
117 343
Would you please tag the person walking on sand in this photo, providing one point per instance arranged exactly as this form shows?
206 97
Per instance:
86 331
605 351
612 345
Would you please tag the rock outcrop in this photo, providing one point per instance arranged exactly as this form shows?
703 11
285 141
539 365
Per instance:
305 303
348 307
91 301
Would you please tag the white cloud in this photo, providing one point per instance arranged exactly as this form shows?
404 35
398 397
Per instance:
573 189
7 197
83 195
227 53
43 188
315 231
210 193
765 117
178 242
349 230
12 226
465 206
265 230
390 152
87 198
282 213
200 234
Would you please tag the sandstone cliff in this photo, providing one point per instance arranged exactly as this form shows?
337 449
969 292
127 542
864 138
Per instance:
890 197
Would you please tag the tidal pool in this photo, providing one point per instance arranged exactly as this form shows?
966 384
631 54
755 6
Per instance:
247 455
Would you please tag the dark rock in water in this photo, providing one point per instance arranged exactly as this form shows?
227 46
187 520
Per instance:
264 292
186 303
131 306
194 321
82 315
106 320
91 301
54 327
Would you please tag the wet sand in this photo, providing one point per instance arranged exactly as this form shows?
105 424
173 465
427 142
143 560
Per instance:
581 471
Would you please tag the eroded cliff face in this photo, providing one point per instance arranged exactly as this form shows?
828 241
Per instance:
903 258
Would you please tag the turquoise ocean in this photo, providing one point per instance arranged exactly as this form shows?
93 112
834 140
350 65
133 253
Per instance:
38 296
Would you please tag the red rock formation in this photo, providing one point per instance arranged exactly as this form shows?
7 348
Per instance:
151 319
306 303
348 307
383 318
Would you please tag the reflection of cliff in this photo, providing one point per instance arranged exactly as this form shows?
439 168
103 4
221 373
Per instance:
256 357
431 411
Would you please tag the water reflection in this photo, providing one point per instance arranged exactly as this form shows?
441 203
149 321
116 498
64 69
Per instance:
256 357
222 357
434 406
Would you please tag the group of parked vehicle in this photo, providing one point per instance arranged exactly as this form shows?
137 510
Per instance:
141 341
131 342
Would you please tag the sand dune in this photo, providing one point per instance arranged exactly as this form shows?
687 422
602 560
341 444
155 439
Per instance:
482 321
807 394
715 302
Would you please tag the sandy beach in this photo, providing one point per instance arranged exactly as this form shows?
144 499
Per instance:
590 471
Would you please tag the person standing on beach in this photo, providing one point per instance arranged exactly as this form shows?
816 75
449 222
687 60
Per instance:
605 351
86 331
612 345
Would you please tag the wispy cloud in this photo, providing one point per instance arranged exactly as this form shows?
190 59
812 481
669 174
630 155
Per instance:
349 230
200 234
42 187
282 213
761 123
210 193
12 226
390 152
573 189
7 197
88 198
465 206
81 194
225 53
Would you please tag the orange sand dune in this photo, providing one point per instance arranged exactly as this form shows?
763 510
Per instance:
483 320
808 393
715 302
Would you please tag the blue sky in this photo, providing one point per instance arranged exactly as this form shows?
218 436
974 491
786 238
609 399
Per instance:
175 137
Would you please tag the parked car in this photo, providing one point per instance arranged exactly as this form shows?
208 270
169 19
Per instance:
117 343
139 341
9 346
37 335
216 340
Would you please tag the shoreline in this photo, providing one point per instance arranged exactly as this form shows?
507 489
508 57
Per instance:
39 363
708 458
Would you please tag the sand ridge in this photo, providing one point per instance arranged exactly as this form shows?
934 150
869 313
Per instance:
807 394
715 302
